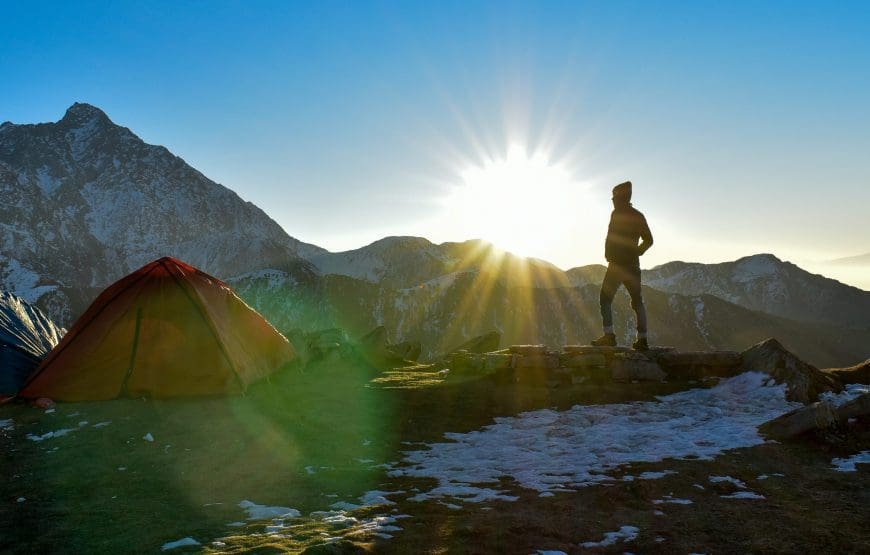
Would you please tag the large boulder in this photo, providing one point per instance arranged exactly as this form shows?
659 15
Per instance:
696 365
629 367
498 361
406 350
860 373
463 361
543 361
819 415
374 343
528 350
582 360
375 346
805 382
856 408
816 416
485 343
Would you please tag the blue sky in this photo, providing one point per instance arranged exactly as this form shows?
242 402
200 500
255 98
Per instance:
744 127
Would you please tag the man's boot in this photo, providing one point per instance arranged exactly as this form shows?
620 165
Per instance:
640 344
606 340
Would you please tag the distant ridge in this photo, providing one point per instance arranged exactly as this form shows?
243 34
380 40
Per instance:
860 260
766 283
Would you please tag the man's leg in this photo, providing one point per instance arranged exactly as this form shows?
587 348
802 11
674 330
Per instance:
632 284
605 299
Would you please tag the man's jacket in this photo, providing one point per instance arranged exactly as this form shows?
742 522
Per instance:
627 225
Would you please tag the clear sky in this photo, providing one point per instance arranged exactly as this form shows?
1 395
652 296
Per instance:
745 127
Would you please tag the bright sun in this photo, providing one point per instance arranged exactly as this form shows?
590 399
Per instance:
521 203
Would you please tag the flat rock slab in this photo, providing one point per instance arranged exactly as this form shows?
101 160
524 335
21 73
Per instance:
582 360
699 358
591 349
498 361
461 362
594 349
528 349
548 361
629 367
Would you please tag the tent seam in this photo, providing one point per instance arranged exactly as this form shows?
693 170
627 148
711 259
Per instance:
207 319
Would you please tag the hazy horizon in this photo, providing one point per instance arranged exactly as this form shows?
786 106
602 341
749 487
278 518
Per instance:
743 127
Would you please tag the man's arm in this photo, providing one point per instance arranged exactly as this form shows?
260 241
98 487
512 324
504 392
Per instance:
646 236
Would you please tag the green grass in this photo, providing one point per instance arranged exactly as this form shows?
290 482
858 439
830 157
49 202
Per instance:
207 456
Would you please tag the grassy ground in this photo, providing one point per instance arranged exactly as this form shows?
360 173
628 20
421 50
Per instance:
307 440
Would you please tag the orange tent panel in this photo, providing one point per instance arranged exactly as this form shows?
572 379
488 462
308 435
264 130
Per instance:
165 330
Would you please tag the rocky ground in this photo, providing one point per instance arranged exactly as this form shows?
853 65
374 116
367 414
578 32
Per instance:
341 456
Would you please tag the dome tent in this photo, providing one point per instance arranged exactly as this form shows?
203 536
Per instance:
166 330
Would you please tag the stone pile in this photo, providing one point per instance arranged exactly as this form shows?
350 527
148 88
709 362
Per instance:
578 363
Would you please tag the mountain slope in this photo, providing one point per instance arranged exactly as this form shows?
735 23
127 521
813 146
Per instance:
765 283
444 312
410 261
87 201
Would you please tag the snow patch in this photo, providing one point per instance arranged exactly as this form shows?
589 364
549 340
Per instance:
377 497
625 533
848 464
851 392
554 451
673 500
22 282
50 435
183 542
648 475
258 512
743 495
754 267
716 479
45 181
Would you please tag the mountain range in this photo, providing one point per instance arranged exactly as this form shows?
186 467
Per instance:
859 260
86 201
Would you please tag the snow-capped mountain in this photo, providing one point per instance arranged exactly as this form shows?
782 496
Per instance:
765 283
86 201
411 261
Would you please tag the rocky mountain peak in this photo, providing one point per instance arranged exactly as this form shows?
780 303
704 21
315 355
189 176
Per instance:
81 114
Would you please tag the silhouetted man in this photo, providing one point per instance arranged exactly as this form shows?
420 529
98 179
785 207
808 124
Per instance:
621 249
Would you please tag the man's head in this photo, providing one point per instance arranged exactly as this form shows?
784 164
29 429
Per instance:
622 194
